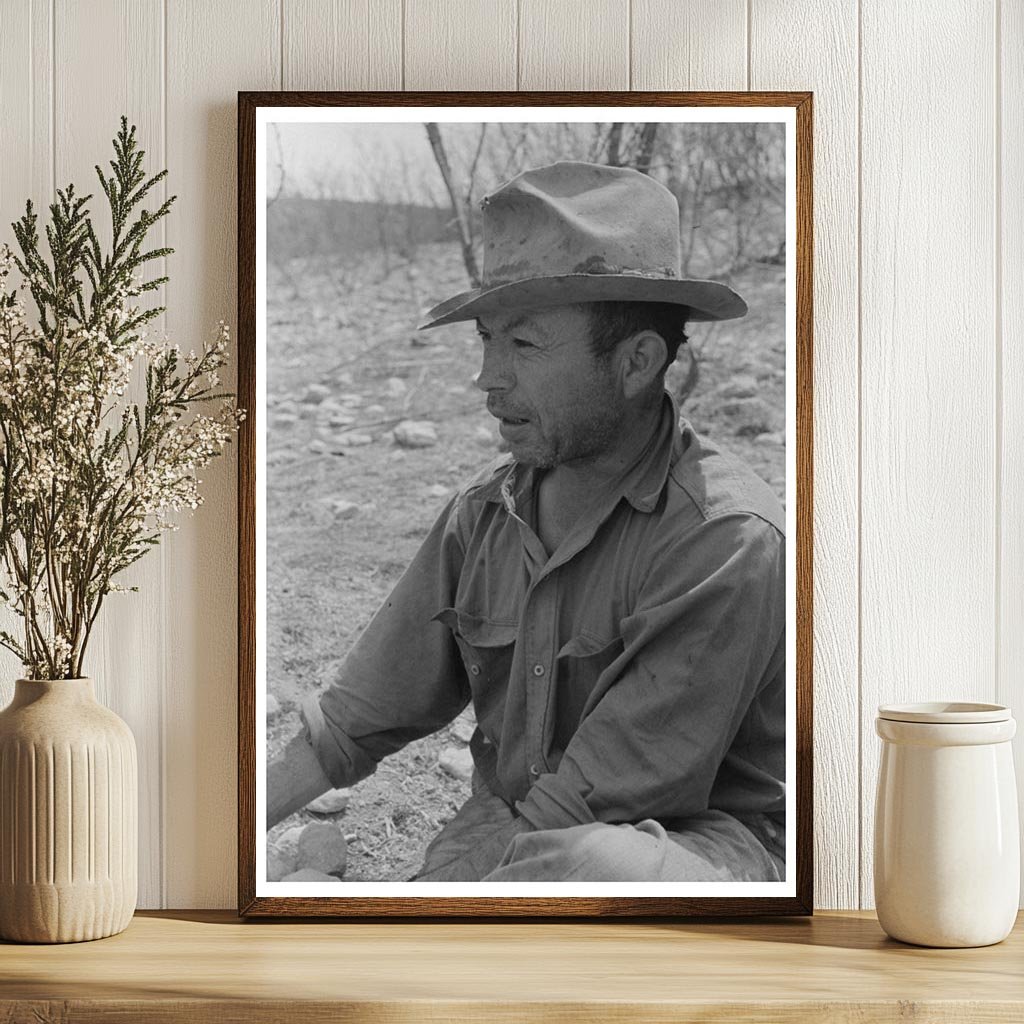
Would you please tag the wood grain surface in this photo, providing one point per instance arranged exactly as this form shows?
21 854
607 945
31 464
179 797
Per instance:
128 82
928 367
832 75
207 966
347 44
574 44
229 45
700 44
465 44
1009 258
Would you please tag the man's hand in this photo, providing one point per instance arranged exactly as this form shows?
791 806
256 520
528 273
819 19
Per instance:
293 779
478 858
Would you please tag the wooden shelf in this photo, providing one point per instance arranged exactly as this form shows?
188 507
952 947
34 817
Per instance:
200 966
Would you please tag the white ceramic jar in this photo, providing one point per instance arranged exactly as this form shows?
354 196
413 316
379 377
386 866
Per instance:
947 847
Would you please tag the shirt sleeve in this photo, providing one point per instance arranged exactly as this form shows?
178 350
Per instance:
403 678
709 617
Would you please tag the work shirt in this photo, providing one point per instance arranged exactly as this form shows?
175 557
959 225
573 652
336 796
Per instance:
636 672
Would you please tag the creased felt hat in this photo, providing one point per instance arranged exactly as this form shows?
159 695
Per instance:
576 232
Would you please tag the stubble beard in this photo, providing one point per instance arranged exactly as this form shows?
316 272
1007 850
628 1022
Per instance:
581 440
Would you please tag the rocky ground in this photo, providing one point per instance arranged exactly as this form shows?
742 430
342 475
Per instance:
371 426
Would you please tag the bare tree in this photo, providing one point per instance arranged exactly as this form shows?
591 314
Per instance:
458 203
279 165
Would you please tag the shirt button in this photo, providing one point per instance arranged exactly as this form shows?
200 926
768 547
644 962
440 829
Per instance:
534 770
475 669
538 670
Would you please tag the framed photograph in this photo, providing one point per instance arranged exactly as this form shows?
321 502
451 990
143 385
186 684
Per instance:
525 504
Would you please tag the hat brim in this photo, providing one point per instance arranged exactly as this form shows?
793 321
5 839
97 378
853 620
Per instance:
707 300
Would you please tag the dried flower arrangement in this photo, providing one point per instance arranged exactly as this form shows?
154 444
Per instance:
88 477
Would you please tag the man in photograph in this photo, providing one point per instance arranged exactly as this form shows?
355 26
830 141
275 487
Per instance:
610 594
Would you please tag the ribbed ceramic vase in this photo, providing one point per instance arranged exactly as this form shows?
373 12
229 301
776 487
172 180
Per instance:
68 815
947 846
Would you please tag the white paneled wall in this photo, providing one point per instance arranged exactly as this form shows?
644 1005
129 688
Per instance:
919 323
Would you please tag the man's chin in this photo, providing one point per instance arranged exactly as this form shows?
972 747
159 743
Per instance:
526 454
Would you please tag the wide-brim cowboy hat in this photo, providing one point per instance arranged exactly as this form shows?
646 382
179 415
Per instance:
576 232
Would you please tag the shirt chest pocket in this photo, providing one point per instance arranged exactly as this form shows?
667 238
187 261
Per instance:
487 648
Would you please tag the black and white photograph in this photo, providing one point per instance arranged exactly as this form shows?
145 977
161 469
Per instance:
525 480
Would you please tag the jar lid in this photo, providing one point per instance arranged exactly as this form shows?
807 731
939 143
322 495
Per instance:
945 712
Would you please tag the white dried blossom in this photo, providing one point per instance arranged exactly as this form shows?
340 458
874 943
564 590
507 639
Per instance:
89 482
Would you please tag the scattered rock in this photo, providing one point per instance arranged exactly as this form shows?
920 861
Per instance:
285 419
350 398
484 434
308 875
273 706
337 418
315 394
343 509
351 439
375 410
457 762
279 863
318 446
770 438
741 386
415 434
396 387
438 491
288 840
322 848
463 729
332 802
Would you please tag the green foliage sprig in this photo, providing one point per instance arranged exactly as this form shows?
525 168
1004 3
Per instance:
88 477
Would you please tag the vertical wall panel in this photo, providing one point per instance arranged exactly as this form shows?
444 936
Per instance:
574 44
689 44
26 172
933 254
1010 677
782 59
122 656
460 44
347 44
26 103
213 51
928 518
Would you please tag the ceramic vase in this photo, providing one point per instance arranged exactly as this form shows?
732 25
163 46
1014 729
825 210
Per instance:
947 847
68 815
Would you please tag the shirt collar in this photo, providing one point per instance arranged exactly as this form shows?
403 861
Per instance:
641 485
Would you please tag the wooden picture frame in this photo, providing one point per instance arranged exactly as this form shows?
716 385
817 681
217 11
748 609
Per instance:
259 898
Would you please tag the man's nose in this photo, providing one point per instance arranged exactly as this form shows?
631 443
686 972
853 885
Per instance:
495 372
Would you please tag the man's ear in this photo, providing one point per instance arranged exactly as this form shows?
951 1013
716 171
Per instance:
642 357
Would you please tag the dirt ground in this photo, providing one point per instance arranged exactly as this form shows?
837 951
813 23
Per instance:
347 506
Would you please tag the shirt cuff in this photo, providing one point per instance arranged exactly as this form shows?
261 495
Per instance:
551 805
342 760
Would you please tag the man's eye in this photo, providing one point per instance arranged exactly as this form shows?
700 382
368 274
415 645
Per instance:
522 343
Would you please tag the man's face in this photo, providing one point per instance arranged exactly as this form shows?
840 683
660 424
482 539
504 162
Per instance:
554 400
